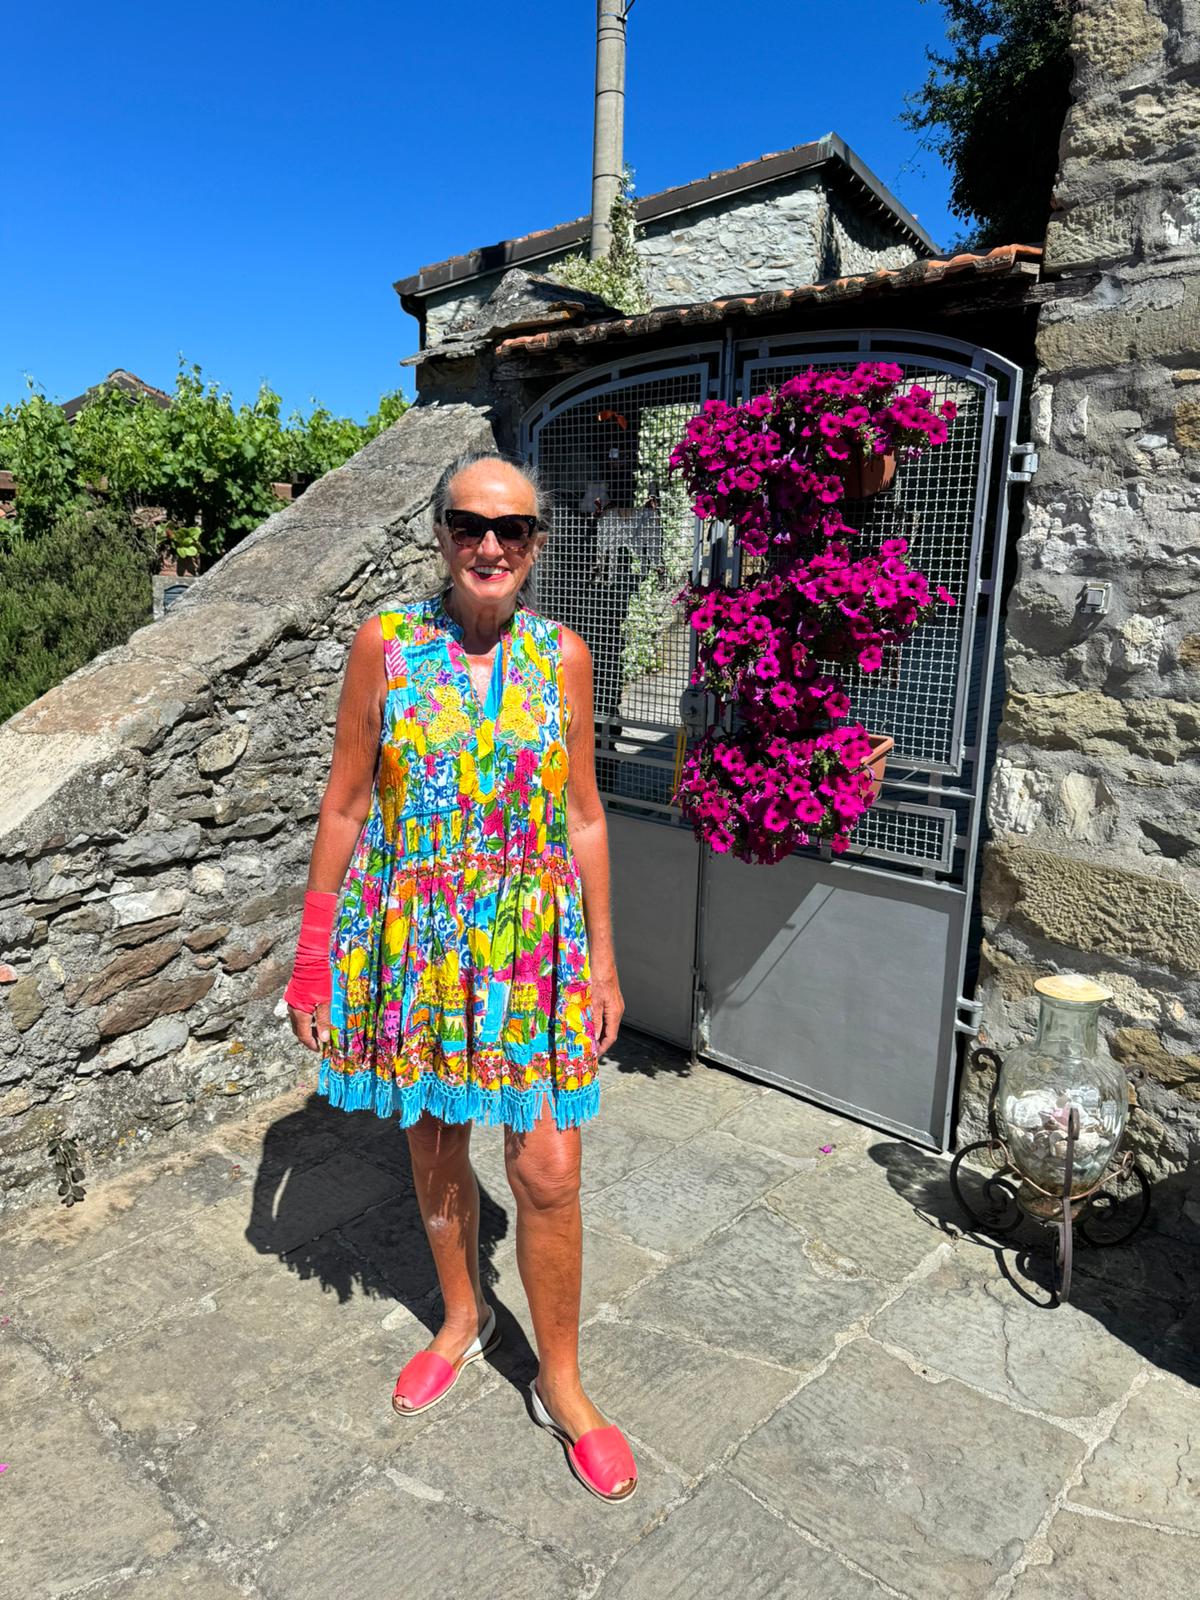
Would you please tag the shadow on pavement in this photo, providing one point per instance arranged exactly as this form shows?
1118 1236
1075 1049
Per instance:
333 1201
1142 1291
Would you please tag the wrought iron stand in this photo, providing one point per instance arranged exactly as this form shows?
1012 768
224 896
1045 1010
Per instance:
1012 1202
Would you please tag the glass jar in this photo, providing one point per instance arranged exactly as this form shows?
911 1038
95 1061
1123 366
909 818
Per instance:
1041 1082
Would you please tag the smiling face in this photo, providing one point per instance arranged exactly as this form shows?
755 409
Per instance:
490 572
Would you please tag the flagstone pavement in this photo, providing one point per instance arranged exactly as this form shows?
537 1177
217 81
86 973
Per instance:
831 1391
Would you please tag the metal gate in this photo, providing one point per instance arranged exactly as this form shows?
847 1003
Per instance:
840 980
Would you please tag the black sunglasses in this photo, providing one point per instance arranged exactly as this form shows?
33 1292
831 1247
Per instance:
469 527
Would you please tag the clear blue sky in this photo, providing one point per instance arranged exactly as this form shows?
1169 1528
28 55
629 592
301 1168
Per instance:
242 183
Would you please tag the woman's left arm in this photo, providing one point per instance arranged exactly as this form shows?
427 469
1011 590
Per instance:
588 832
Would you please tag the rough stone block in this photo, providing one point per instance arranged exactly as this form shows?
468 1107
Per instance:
1090 1557
1165 326
147 906
671 1204
754 1290
1099 724
73 1511
360 1546
143 1006
1139 1047
928 1486
1087 906
722 1542
1112 39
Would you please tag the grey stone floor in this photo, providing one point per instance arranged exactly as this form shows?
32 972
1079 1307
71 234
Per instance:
831 1393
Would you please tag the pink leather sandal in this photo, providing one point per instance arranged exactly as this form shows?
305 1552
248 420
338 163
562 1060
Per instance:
428 1377
598 1458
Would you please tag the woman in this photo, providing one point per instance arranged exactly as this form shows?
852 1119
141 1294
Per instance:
455 959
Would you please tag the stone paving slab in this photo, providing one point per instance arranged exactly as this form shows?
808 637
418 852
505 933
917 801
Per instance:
723 1543
849 1217
1149 1466
386 1542
178 1580
72 1510
493 1459
261 1469
808 1136
692 1402
928 1485
970 1323
754 1290
674 1202
1091 1558
247 1337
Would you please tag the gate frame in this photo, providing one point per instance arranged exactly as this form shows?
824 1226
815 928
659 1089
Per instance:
731 364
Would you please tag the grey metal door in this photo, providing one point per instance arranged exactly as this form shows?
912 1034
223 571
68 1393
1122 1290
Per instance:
839 980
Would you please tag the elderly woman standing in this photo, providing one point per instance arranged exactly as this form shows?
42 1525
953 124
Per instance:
455 960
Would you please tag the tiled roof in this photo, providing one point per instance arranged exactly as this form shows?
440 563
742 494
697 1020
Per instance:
733 180
1009 260
127 382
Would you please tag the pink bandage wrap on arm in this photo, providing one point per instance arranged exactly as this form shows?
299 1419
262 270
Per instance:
310 984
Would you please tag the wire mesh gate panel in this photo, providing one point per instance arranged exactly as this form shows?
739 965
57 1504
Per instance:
622 547
843 980
784 972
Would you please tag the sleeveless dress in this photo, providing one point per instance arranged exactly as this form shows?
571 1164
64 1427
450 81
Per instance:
459 954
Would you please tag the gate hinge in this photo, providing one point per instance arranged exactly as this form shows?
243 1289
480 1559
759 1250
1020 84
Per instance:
974 1015
1023 463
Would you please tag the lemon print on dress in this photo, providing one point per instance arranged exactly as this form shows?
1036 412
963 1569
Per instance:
450 719
514 714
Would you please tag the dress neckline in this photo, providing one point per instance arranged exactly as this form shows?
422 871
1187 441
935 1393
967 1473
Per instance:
488 709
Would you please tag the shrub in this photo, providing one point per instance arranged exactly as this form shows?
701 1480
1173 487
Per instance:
78 586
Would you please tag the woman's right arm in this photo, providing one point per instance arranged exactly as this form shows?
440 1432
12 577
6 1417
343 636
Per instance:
344 809
347 798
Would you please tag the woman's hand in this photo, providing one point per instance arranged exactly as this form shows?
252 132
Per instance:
608 1007
311 1027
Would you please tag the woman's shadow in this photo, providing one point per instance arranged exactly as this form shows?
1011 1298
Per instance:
333 1200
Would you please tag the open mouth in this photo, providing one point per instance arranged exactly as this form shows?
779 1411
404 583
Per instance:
489 574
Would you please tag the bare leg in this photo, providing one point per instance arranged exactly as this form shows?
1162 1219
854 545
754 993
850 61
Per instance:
448 1195
543 1171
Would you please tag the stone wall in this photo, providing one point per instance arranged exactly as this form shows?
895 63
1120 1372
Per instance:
157 817
779 235
1095 804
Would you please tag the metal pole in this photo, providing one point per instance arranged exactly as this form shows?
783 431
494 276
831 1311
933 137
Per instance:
609 137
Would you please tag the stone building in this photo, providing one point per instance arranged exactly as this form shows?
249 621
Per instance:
812 212
158 807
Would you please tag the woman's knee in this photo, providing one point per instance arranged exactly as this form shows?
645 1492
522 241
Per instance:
544 1174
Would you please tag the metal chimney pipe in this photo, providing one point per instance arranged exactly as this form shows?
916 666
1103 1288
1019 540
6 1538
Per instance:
608 142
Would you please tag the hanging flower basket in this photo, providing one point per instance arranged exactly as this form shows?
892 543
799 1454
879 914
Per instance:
867 473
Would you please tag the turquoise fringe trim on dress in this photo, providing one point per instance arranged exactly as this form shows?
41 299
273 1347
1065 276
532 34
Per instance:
518 1109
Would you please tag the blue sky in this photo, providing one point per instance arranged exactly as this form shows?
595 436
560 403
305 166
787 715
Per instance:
242 183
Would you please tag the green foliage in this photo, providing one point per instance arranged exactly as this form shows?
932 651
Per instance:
209 464
617 276
79 585
993 108
652 614
36 446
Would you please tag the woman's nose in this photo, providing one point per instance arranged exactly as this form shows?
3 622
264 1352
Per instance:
489 545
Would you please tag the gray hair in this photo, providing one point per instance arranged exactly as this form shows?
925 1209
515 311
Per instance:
441 493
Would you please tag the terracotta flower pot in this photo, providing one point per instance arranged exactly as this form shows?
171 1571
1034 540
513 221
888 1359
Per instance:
864 475
882 745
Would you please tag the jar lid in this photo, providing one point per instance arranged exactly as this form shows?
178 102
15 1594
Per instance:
1074 988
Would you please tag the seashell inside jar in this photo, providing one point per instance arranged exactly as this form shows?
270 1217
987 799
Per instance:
1060 1071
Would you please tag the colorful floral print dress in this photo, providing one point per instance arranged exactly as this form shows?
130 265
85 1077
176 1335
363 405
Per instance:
459 955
